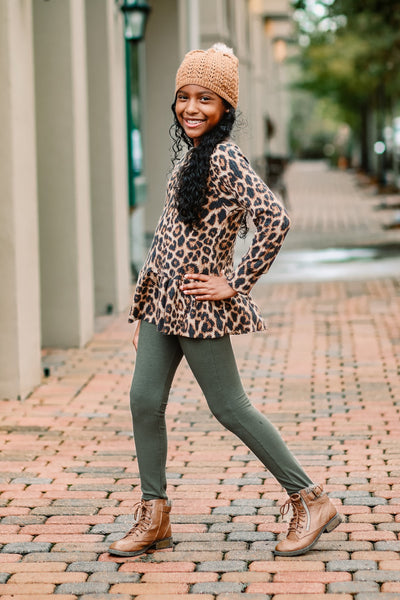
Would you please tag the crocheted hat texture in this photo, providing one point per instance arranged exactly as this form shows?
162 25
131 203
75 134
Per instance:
216 69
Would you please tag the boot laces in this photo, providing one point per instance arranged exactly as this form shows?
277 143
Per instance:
142 516
297 520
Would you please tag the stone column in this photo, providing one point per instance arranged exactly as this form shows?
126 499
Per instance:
257 86
162 61
108 157
240 40
189 25
213 23
19 266
63 172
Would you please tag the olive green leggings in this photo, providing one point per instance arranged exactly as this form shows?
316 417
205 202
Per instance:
213 364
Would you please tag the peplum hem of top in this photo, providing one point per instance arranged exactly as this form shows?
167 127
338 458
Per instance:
158 300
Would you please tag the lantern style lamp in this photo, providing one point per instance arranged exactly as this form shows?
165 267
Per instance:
136 13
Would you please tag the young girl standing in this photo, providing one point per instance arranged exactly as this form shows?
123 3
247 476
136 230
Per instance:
189 299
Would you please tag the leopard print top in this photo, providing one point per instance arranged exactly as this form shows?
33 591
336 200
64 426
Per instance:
177 249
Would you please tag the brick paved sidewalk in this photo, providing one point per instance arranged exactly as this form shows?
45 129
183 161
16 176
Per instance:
331 209
327 374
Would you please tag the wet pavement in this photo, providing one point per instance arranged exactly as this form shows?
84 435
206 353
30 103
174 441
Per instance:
337 234
326 373
336 264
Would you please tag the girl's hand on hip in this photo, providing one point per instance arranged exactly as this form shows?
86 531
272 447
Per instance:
136 334
207 287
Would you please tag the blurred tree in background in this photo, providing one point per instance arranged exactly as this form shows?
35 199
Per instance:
350 56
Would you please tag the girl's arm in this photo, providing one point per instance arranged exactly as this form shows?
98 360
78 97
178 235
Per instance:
207 287
267 213
136 334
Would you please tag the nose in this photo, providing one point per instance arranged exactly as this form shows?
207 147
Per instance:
191 106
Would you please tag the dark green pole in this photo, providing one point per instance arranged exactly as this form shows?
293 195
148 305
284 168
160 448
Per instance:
129 122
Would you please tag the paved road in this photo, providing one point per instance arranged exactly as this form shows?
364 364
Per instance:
327 374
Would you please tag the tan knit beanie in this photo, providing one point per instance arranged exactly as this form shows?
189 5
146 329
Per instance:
216 69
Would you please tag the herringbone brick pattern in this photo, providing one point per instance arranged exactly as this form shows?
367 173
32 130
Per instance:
327 374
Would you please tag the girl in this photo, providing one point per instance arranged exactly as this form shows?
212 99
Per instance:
189 299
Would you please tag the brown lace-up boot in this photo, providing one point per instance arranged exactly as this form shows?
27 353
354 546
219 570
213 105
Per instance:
151 530
313 514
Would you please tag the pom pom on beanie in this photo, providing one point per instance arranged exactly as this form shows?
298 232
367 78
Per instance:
216 69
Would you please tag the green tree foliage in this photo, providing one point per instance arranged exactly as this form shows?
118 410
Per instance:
351 54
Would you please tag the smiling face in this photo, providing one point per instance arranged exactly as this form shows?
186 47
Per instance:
198 110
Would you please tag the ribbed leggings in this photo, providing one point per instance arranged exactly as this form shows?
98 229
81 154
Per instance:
213 364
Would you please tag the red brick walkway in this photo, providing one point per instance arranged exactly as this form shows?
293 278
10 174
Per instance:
327 375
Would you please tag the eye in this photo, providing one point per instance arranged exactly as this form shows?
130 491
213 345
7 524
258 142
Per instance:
205 98
181 97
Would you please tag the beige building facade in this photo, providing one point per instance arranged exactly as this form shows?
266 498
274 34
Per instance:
67 236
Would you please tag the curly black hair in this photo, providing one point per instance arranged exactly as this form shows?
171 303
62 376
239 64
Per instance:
192 181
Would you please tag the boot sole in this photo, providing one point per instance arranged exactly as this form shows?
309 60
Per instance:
158 545
330 526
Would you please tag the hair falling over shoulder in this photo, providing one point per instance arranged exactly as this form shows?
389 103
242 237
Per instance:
191 194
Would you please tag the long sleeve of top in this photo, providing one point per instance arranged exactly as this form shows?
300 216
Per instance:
268 215
234 190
